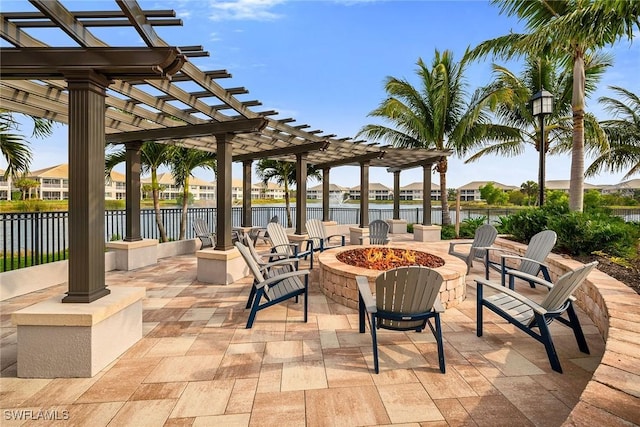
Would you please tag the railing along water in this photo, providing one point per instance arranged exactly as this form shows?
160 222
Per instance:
33 238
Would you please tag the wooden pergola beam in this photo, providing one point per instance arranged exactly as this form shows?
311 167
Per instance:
351 160
296 149
189 131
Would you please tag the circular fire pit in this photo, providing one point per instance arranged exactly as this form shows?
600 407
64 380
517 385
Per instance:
337 278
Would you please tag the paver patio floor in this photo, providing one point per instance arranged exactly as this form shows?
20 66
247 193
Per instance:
197 365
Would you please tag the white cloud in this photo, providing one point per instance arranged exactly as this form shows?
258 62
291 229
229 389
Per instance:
214 37
254 10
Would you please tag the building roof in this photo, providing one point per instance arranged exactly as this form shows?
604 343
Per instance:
57 171
268 186
374 186
563 184
332 188
475 185
417 186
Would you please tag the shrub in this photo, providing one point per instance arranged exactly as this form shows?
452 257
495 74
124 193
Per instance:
583 233
410 227
524 224
114 204
469 226
448 232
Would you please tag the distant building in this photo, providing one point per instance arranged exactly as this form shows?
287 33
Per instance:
471 192
336 192
198 188
268 191
377 191
115 188
5 186
414 191
626 188
563 185
53 182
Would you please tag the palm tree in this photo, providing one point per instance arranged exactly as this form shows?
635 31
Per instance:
568 30
152 156
14 147
511 93
623 133
284 174
183 161
529 189
434 115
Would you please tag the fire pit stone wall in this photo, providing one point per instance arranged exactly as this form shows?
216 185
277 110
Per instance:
337 279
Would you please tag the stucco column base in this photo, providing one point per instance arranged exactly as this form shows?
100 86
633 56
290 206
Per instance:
359 236
397 226
68 340
221 267
426 233
133 255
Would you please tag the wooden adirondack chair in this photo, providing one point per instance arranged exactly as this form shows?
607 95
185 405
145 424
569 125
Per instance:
274 288
406 298
201 228
531 263
282 248
378 233
526 314
320 238
484 237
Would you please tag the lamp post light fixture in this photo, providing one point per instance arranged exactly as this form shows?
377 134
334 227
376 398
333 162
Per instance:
541 105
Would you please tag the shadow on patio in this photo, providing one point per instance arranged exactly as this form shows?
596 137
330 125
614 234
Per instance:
197 365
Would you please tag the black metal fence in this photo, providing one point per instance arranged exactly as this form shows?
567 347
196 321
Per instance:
33 238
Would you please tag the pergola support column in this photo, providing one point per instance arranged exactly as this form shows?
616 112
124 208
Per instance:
396 225
132 233
325 194
301 193
246 193
426 232
223 192
133 252
357 234
86 186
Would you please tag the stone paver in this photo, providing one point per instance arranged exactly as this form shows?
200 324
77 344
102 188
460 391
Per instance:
198 365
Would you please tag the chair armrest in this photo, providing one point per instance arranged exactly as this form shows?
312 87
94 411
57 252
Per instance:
529 277
452 245
341 236
280 277
437 306
289 246
498 287
365 294
495 248
291 261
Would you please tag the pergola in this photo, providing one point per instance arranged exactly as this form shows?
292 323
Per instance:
111 93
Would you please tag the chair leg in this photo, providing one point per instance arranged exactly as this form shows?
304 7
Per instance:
361 313
577 329
545 335
479 310
255 308
440 345
306 298
374 339
252 295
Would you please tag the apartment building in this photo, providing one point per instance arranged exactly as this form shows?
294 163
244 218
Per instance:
377 191
414 191
626 188
563 185
336 192
199 188
5 186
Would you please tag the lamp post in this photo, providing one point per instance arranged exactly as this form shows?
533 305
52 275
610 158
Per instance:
541 105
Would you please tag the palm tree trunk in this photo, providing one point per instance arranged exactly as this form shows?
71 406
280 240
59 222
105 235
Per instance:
287 203
444 199
156 204
576 184
185 200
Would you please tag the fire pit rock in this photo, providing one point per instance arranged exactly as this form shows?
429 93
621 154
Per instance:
337 279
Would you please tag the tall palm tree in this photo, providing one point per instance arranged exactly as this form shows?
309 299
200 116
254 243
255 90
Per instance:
152 156
183 161
14 147
511 92
567 30
434 115
529 189
623 133
284 174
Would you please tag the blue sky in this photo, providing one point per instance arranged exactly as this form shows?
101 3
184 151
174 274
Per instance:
324 63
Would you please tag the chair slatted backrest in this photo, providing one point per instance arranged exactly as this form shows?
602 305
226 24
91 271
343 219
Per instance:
201 227
484 237
378 231
251 262
565 286
316 231
538 249
407 290
279 238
